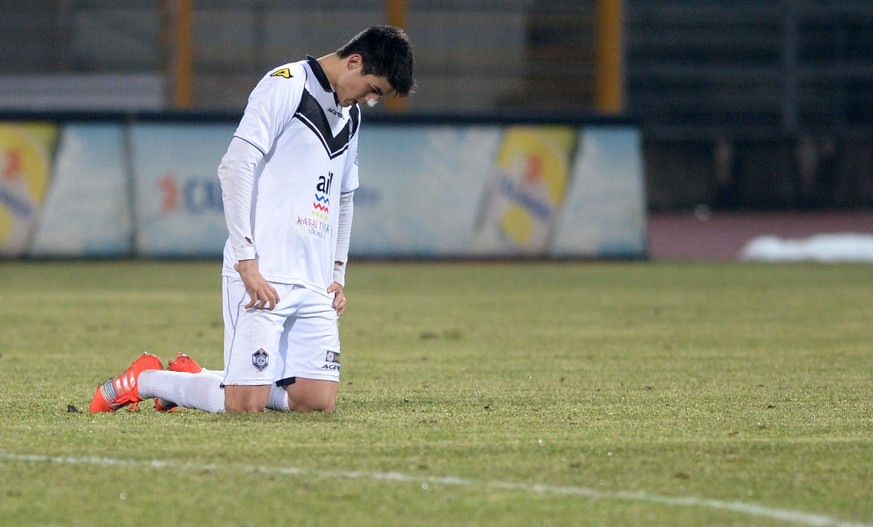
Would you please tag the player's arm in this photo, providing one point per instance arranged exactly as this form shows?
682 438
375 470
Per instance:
346 212
271 106
237 176
343 240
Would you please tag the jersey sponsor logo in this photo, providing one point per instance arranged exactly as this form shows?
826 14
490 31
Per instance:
313 227
285 73
323 186
318 206
324 183
317 225
260 359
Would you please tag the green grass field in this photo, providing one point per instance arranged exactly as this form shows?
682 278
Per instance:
522 394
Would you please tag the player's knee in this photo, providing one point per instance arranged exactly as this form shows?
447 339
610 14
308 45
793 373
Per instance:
312 396
313 403
243 407
245 399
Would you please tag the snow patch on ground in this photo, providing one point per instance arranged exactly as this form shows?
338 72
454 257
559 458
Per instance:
841 247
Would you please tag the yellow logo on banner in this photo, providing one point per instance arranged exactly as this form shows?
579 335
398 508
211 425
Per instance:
531 179
25 168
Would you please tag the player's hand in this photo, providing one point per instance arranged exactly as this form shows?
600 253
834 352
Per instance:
261 293
339 298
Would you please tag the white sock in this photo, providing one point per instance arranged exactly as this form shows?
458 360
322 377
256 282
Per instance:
278 399
192 390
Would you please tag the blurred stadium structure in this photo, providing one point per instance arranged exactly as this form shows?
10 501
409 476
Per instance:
743 104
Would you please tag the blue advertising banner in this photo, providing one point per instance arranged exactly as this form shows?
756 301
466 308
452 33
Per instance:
500 191
427 190
421 189
604 214
87 209
177 197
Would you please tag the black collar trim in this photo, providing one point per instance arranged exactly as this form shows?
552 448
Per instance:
319 73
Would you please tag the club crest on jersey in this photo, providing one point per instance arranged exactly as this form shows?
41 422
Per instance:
260 359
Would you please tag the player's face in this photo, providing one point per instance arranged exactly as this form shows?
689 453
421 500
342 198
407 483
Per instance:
359 88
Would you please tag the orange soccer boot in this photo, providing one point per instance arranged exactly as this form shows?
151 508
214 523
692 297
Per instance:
183 363
122 391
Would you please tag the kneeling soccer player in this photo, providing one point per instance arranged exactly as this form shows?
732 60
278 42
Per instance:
287 181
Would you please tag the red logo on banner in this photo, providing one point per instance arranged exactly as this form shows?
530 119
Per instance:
170 192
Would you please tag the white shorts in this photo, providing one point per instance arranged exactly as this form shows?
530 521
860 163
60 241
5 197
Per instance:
298 338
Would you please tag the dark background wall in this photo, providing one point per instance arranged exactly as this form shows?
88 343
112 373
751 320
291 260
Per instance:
744 105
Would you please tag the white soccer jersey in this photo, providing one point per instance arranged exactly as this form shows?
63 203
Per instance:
310 146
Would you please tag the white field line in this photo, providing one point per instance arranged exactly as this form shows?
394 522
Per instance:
750 509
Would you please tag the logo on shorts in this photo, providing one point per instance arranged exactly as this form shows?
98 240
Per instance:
260 359
332 358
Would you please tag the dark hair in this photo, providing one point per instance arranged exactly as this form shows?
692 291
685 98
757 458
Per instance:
387 53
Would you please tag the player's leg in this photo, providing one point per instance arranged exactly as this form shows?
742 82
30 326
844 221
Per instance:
182 363
201 390
310 349
244 398
312 395
251 343
278 399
